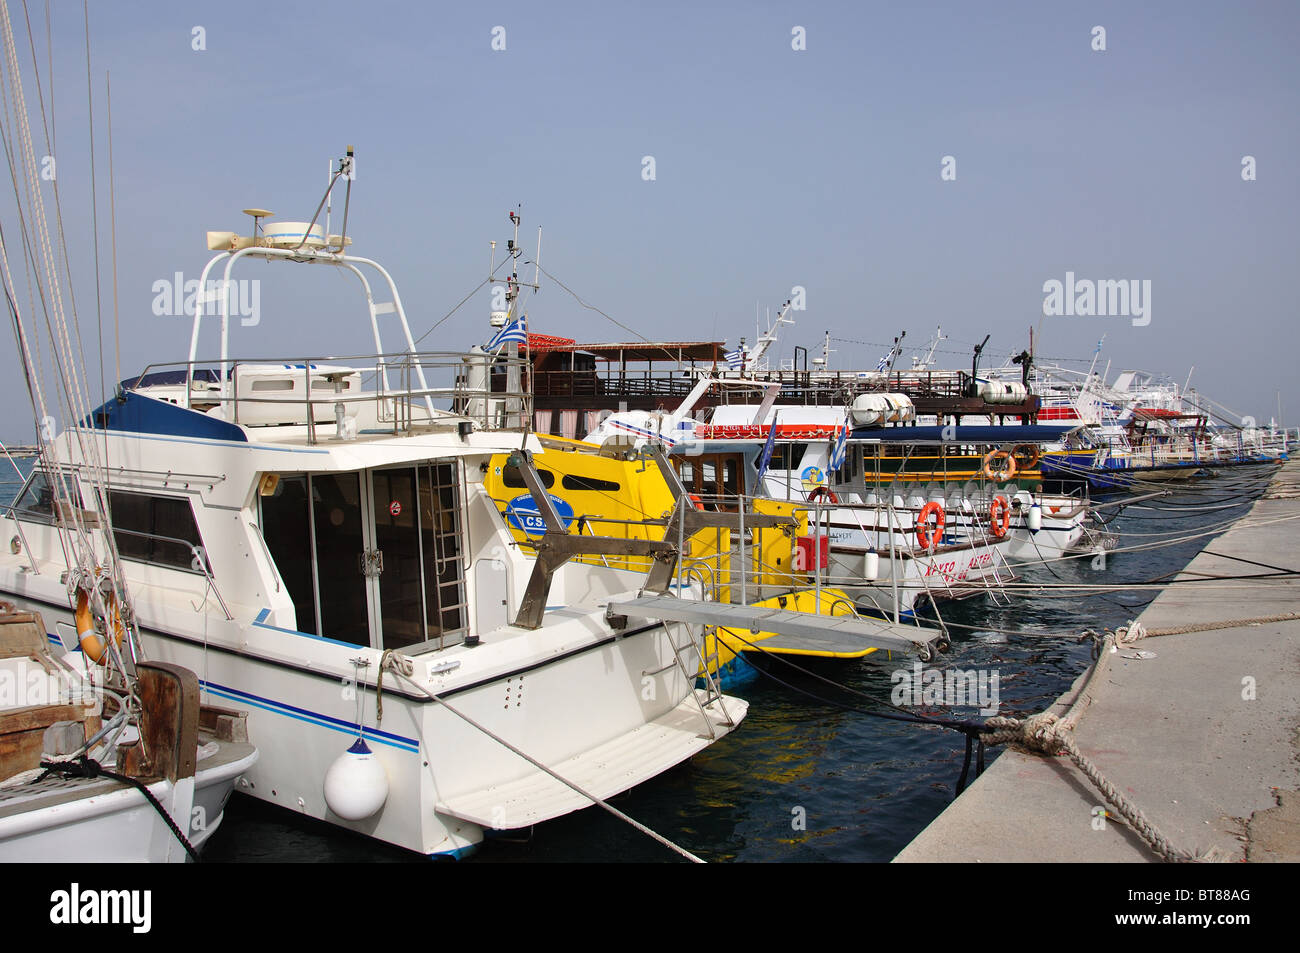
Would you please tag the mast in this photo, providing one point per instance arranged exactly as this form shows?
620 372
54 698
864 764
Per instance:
766 339
921 364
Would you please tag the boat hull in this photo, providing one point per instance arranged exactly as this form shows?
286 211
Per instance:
303 720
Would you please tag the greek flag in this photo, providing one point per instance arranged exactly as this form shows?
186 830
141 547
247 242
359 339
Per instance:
516 330
766 458
840 448
736 359
884 362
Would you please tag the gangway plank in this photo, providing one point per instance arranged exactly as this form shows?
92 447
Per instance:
797 633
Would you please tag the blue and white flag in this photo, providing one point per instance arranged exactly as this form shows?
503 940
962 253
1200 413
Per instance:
516 330
884 361
736 359
839 450
766 458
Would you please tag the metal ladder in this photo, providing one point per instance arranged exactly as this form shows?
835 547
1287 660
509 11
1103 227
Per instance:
977 526
444 485
712 691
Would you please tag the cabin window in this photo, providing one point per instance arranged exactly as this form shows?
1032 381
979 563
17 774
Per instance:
785 456
512 478
730 477
574 482
286 528
36 501
156 529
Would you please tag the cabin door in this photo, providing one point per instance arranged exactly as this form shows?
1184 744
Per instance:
396 572
371 558
413 557
714 477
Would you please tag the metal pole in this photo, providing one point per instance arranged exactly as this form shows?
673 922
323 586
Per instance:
893 562
744 589
817 553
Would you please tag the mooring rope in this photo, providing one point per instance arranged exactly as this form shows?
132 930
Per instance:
1210 626
88 768
1050 734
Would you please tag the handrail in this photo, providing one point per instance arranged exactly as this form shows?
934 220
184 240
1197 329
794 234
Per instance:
199 560
10 513
275 570
489 405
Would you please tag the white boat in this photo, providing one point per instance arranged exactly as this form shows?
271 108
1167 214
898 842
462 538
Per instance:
53 807
104 755
312 537
801 470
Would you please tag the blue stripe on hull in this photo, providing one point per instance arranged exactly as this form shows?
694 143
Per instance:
311 717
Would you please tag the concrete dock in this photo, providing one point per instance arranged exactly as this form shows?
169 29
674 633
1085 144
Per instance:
1204 738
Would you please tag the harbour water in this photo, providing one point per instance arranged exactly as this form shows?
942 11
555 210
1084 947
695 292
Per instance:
812 775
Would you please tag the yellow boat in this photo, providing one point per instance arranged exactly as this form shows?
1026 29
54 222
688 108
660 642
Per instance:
616 497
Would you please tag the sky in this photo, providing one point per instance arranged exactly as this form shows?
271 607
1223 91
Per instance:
908 166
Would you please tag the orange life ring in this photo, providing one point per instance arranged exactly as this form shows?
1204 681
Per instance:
1003 473
94 645
999 516
695 498
1033 460
819 491
922 524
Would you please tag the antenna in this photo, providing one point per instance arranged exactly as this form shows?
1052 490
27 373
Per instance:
537 273
258 214
1096 354
347 168
821 362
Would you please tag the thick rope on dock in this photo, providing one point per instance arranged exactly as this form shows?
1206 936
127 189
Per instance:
1207 626
1050 734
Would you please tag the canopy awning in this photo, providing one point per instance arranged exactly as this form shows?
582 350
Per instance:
1013 433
